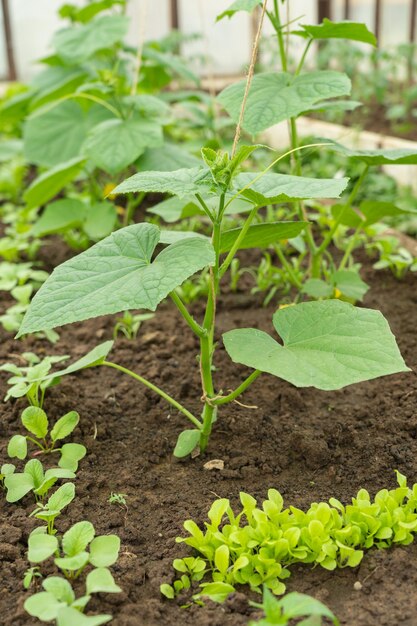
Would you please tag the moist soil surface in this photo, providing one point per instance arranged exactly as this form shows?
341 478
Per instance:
310 445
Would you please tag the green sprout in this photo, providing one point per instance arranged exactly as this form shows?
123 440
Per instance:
292 606
258 545
129 324
35 420
33 479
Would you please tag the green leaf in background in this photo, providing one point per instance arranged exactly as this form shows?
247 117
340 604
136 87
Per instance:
114 275
48 184
41 547
355 31
65 425
35 421
17 447
239 5
104 550
327 345
10 148
275 97
181 183
174 209
167 158
186 442
59 216
171 62
68 616
317 288
382 156
274 188
96 356
350 284
78 43
100 220
114 144
97 221
261 235
217 592
100 580
369 212
56 135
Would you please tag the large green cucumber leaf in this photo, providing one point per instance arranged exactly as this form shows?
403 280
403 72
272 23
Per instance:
272 188
381 156
355 31
77 44
114 144
53 135
327 345
48 184
167 158
114 275
275 97
182 182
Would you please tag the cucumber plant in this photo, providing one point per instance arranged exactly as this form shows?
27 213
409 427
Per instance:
327 345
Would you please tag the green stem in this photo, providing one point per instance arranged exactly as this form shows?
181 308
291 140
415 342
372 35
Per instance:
195 327
238 241
157 390
351 246
348 205
132 203
297 283
205 207
239 390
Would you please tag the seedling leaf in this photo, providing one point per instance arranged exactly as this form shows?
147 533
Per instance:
354 31
100 580
44 606
69 616
35 421
17 447
41 547
60 588
64 426
77 538
71 454
104 550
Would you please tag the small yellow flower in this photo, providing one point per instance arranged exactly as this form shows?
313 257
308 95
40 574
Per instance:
284 306
337 292
107 191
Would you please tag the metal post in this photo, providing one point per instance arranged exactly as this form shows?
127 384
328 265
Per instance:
11 65
346 13
175 14
413 15
324 9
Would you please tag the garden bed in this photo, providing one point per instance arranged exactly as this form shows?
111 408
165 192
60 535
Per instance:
310 445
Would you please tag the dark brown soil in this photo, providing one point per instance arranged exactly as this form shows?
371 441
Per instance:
310 445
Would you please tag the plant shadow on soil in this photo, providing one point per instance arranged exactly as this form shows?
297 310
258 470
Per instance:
310 445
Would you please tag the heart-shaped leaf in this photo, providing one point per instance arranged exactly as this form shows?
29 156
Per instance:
35 421
327 345
116 274
104 550
41 547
